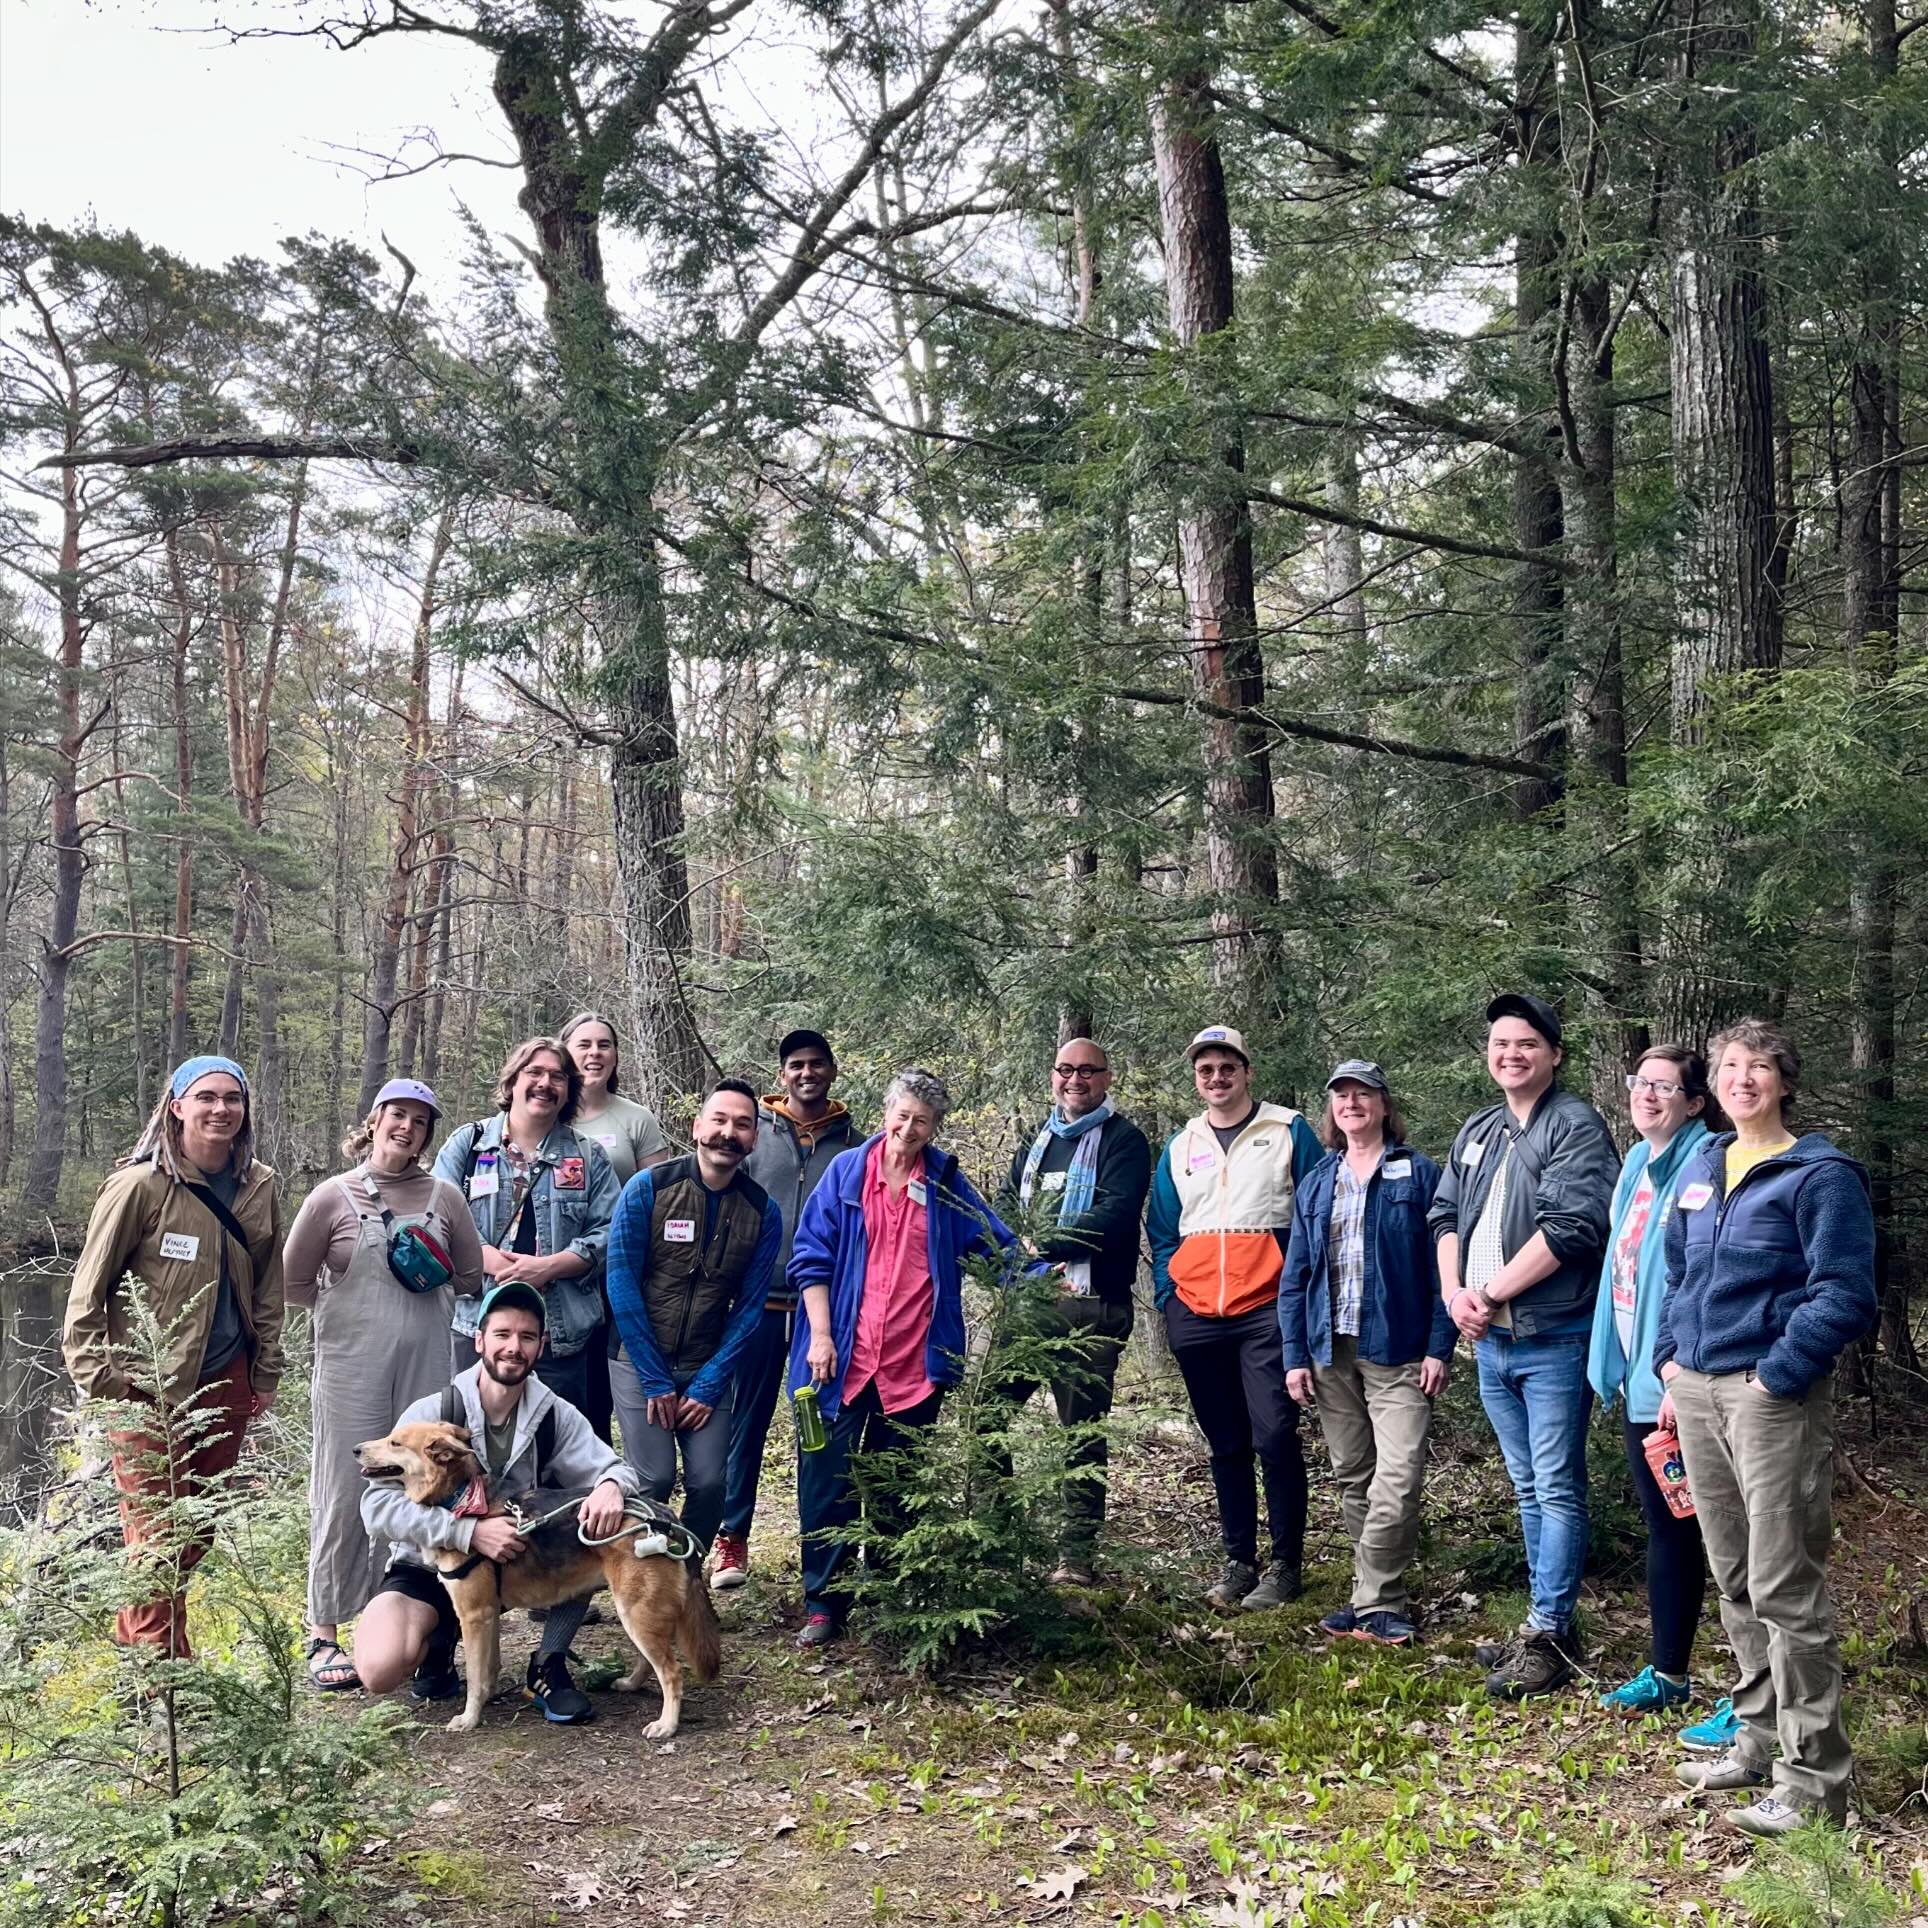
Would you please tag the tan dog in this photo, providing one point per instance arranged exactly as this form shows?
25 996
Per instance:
659 1601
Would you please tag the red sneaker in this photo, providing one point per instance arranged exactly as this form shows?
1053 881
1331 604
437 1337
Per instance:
732 1565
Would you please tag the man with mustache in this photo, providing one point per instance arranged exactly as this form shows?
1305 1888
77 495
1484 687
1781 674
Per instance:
691 1252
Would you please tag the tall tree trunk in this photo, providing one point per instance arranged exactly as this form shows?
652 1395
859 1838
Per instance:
379 1011
1215 547
179 1041
444 856
1871 610
1727 604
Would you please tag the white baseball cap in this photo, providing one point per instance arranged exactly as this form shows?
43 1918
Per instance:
1220 1037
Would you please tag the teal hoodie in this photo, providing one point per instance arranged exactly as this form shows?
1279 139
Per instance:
1608 1367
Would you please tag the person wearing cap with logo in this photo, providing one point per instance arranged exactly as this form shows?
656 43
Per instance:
541 1197
1086 1170
1519 1225
691 1251
800 1129
1219 1221
380 1254
191 1213
527 1438
1770 1278
1367 1338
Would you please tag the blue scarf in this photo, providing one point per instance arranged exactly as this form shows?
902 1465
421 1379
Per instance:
1080 1181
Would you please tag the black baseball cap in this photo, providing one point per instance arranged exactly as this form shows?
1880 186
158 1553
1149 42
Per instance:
1536 1011
803 1040
512 1292
1359 1071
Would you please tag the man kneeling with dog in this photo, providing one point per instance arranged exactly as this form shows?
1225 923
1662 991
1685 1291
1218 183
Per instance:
501 1435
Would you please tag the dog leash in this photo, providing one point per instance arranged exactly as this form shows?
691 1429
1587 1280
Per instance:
637 1514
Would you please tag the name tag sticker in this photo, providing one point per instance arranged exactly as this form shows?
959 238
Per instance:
1203 1161
680 1231
1472 1151
1052 1181
180 1245
569 1175
484 1182
1695 1196
1400 1168
916 1190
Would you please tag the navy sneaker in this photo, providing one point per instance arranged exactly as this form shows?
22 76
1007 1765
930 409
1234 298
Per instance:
1340 1623
1385 1629
550 1687
435 1676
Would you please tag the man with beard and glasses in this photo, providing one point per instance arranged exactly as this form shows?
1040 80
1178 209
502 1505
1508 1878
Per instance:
526 1437
691 1252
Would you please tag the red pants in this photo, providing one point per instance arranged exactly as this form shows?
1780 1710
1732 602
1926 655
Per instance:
153 1469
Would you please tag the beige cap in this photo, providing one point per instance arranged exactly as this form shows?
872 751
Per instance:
1220 1037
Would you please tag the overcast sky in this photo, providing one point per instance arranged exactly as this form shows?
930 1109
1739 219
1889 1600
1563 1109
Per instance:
132 112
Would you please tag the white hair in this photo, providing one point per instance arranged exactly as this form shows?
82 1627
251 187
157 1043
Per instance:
921 1087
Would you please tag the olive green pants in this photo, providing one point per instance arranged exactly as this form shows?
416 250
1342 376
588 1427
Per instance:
1762 1473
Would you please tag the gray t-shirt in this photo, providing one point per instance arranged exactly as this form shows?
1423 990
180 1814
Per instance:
228 1336
629 1133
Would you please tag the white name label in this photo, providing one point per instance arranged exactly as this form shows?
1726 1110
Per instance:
1695 1196
1400 1168
180 1245
1472 1152
1052 1181
916 1190
680 1231
484 1181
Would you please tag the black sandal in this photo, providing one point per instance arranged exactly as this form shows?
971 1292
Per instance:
337 1676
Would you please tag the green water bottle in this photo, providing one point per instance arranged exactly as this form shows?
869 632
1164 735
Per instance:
810 1430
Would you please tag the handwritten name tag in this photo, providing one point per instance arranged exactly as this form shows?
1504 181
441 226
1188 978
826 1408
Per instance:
1203 1161
916 1190
1052 1181
1695 1196
1400 1168
180 1245
486 1180
680 1231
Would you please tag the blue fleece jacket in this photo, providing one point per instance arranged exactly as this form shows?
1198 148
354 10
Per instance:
1401 1315
832 1248
1608 1366
1779 1277
628 1262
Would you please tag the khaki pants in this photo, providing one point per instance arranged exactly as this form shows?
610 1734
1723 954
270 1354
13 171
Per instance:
1761 1469
1375 1420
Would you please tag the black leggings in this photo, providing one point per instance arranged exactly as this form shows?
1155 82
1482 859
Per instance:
1236 1377
1676 1564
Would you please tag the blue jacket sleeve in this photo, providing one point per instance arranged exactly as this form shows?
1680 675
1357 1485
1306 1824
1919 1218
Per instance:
813 1252
623 1281
989 1233
713 1378
1293 1284
1606 1365
1836 1224
1444 1335
1161 1228
1306 1150
451 1160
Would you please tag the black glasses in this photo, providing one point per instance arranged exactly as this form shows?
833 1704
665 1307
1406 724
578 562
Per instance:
1660 1087
1070 1071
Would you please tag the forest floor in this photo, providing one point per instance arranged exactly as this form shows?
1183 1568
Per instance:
1245 1772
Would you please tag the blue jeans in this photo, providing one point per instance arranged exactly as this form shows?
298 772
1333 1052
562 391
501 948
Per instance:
760 1372
1536 1394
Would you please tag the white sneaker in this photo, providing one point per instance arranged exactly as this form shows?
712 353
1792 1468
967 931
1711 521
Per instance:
1770 1816
1726 1775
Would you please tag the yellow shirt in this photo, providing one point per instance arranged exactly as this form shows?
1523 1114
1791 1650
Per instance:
1741 1159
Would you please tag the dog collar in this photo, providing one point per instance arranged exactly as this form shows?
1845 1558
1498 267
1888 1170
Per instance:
472 1503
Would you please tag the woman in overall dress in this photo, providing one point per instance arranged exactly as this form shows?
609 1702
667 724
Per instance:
378 1347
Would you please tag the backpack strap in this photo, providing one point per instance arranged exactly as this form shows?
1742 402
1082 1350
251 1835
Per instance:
452 1413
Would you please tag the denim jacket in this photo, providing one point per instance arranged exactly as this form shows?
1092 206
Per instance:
569 1218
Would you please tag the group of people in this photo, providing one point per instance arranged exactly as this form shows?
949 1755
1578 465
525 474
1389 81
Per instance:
560 1268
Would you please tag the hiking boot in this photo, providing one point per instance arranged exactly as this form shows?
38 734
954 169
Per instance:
732 1566
1771 1816
1494 1653
550 1687
1541 1663
1648 1692
819 1630
1073 1572
1279 1584
1715 1734
1237 1579
1728 1774
1340 1623
1386 1629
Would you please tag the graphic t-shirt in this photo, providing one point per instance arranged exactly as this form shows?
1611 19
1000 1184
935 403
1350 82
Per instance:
1626 1261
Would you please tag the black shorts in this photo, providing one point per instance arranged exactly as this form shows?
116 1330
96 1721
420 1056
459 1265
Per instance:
416 1582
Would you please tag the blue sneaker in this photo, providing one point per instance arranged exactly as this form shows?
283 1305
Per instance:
1385 1629
1648 1692
1341 1621
1716 1734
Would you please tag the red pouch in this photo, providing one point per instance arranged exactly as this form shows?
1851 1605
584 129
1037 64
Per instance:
1670 1472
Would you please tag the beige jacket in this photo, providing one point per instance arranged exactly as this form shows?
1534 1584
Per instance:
146 1224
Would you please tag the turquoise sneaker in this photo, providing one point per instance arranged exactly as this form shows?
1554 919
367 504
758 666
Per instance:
1716 1734
1647 1692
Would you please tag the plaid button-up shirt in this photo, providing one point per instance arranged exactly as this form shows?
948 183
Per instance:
1346 1250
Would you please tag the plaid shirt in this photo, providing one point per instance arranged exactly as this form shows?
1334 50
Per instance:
1346 1250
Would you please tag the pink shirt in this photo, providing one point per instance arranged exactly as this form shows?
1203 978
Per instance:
894 1320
